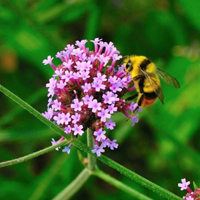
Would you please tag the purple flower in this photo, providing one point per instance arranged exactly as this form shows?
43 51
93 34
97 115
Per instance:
110 124
56 105
86 89
78 129
134 119
87 99
76 118
100 77
111 144
67 149
95 105
53 142
184 184
112 108
109 97
103 114
100 134
66 118
76 105
98 150
98 85
48 114
48 60
68 129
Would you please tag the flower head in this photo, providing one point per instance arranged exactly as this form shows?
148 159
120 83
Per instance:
86 90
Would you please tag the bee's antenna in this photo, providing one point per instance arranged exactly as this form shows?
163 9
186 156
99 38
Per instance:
123 57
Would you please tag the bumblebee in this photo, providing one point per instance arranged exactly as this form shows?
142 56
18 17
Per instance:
146 77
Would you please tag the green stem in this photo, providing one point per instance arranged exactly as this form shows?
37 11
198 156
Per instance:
119 185
91 158
32 155
74 186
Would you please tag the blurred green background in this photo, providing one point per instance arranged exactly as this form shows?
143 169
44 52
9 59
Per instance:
163 147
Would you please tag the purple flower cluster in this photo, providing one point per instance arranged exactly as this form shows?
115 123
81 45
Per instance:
86 90
184 185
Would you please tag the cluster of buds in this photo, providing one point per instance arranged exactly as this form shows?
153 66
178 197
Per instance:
190 195
86 89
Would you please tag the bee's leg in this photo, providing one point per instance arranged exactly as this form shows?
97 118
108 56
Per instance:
139 102
132 97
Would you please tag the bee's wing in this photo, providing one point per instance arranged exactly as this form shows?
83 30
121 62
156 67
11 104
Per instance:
158 89
168 79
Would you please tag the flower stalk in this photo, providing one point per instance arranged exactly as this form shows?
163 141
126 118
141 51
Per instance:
91 159
32 155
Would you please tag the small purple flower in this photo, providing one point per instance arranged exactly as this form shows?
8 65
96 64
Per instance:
98 150
68 129
48 114
75 118
112 108
67 148
48 60
104 114
111 144
100 134
78 129
58 118
56 105
108 97
69 48
51 86
53 142
66 118
86 87
61 84
95 106
98 85
184 184
87 99
134 119
100 77
110 124
76 105
58 72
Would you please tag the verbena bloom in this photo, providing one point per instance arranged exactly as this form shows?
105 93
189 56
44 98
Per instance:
184 185
86 89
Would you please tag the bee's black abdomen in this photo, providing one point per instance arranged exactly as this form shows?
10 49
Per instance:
141 84
144 64
151 95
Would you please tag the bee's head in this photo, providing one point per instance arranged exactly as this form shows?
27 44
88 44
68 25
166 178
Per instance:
128 64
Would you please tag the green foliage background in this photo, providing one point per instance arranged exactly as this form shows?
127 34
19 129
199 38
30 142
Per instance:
163 147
